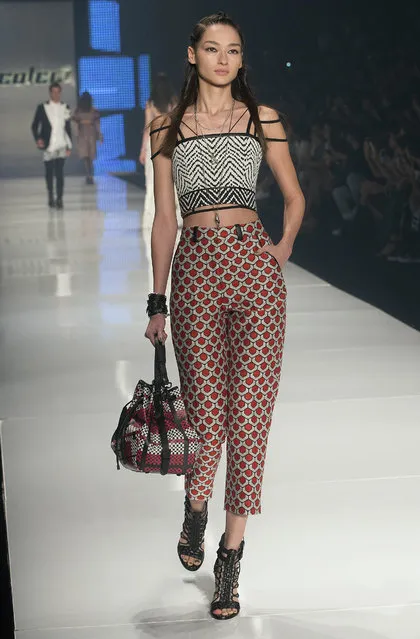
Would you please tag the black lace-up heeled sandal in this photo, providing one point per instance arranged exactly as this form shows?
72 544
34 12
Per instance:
193 530
226 573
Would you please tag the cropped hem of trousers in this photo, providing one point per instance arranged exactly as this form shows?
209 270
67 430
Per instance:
228 315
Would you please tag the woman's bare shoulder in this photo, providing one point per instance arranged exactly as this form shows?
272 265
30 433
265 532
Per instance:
267 113
160 122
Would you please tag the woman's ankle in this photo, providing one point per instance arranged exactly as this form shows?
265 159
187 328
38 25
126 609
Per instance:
197 505
231 542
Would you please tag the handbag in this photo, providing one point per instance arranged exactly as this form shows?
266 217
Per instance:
153 434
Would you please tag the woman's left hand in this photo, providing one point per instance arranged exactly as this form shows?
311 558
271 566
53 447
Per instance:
281 251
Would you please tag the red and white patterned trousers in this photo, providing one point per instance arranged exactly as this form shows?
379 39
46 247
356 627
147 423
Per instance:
228 312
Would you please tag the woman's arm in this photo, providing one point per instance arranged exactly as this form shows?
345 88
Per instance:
279 160
165 225
97 123
148 117
75 118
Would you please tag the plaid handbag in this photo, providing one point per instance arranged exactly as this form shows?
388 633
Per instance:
153 435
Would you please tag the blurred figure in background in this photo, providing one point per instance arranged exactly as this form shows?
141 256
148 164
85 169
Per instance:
88 125
52 133
162 100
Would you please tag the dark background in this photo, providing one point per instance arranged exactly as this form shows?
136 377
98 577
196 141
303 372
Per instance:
275 32
315 35
312 34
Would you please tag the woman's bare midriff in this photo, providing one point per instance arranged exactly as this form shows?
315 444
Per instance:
228 217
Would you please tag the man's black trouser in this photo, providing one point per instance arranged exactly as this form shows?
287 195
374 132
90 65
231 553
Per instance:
55 167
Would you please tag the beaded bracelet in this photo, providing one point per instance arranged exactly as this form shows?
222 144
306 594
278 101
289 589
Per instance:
156 304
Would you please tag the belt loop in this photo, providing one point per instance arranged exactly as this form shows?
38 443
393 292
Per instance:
195 234
239 233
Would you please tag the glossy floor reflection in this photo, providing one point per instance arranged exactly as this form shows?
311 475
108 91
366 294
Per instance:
93 551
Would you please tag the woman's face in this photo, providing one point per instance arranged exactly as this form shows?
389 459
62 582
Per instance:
218 56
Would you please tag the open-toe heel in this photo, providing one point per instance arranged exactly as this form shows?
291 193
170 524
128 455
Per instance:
193 532
226 573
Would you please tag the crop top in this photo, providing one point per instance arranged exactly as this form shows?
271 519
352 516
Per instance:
217 168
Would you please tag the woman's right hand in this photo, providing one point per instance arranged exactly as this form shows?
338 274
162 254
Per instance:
142 157
156 329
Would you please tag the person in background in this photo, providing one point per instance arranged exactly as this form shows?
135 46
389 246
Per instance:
52 133
88 123
162 100
316 176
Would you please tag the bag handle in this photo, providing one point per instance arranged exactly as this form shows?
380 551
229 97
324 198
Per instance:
161 375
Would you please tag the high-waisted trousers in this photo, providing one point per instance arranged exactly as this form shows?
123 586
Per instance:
228 313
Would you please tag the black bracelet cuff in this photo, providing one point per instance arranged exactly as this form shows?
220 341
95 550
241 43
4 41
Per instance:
156 304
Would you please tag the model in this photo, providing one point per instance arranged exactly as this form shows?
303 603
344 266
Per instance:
52 133
228 297
162 100
88 123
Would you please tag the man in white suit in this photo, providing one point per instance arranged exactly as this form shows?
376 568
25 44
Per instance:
52 133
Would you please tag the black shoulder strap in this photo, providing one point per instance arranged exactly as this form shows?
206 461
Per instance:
161 128
188 127
181 135
277 120
238 120
270 121
248 127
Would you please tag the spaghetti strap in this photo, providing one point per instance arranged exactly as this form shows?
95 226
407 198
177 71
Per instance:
270 121
188 127
240 118
273 129
161 128
182 136
248 128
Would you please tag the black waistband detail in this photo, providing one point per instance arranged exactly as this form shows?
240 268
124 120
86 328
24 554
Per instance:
239 233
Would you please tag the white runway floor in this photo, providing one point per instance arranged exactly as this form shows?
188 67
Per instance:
335 554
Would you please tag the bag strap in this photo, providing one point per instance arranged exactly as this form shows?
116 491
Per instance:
161 375
161 379
160 419
182 433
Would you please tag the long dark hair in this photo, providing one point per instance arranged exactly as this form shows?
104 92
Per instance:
85 102
162 93
241 91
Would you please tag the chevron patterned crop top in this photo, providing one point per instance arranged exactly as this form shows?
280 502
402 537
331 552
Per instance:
218 168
